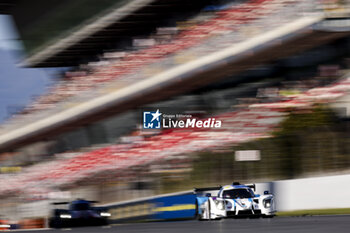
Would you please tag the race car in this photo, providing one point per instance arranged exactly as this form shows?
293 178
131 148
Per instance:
4 225
80 213
233 201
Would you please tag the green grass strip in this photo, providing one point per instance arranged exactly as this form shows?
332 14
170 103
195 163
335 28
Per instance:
314 212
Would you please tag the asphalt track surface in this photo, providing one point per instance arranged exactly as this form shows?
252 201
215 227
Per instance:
310 224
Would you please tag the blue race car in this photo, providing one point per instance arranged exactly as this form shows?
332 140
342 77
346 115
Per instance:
80 213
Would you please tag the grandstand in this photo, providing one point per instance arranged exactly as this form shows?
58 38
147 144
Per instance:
258 121
213 60
161 66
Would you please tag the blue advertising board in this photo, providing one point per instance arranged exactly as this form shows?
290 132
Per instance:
167 207
175 207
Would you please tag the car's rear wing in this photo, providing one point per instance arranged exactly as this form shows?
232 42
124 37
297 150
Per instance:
252 186
207 191
75 201
213 191
60 203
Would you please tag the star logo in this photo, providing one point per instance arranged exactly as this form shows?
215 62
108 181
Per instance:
156 115
151 120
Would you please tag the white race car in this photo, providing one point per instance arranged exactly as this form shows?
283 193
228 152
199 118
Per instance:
233 201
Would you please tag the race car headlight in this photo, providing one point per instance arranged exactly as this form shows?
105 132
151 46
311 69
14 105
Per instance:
5 225
220 205
65 216
105 214
267 203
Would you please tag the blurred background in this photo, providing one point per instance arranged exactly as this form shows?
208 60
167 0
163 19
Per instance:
76 77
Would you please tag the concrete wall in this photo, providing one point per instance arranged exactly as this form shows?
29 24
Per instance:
313 193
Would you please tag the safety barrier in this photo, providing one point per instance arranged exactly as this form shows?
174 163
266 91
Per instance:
32 223
165 207
328 192
175 207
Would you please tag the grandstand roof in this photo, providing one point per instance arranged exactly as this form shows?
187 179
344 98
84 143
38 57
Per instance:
104 30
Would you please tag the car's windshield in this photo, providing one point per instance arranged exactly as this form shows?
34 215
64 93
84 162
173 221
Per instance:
238 193
80 206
